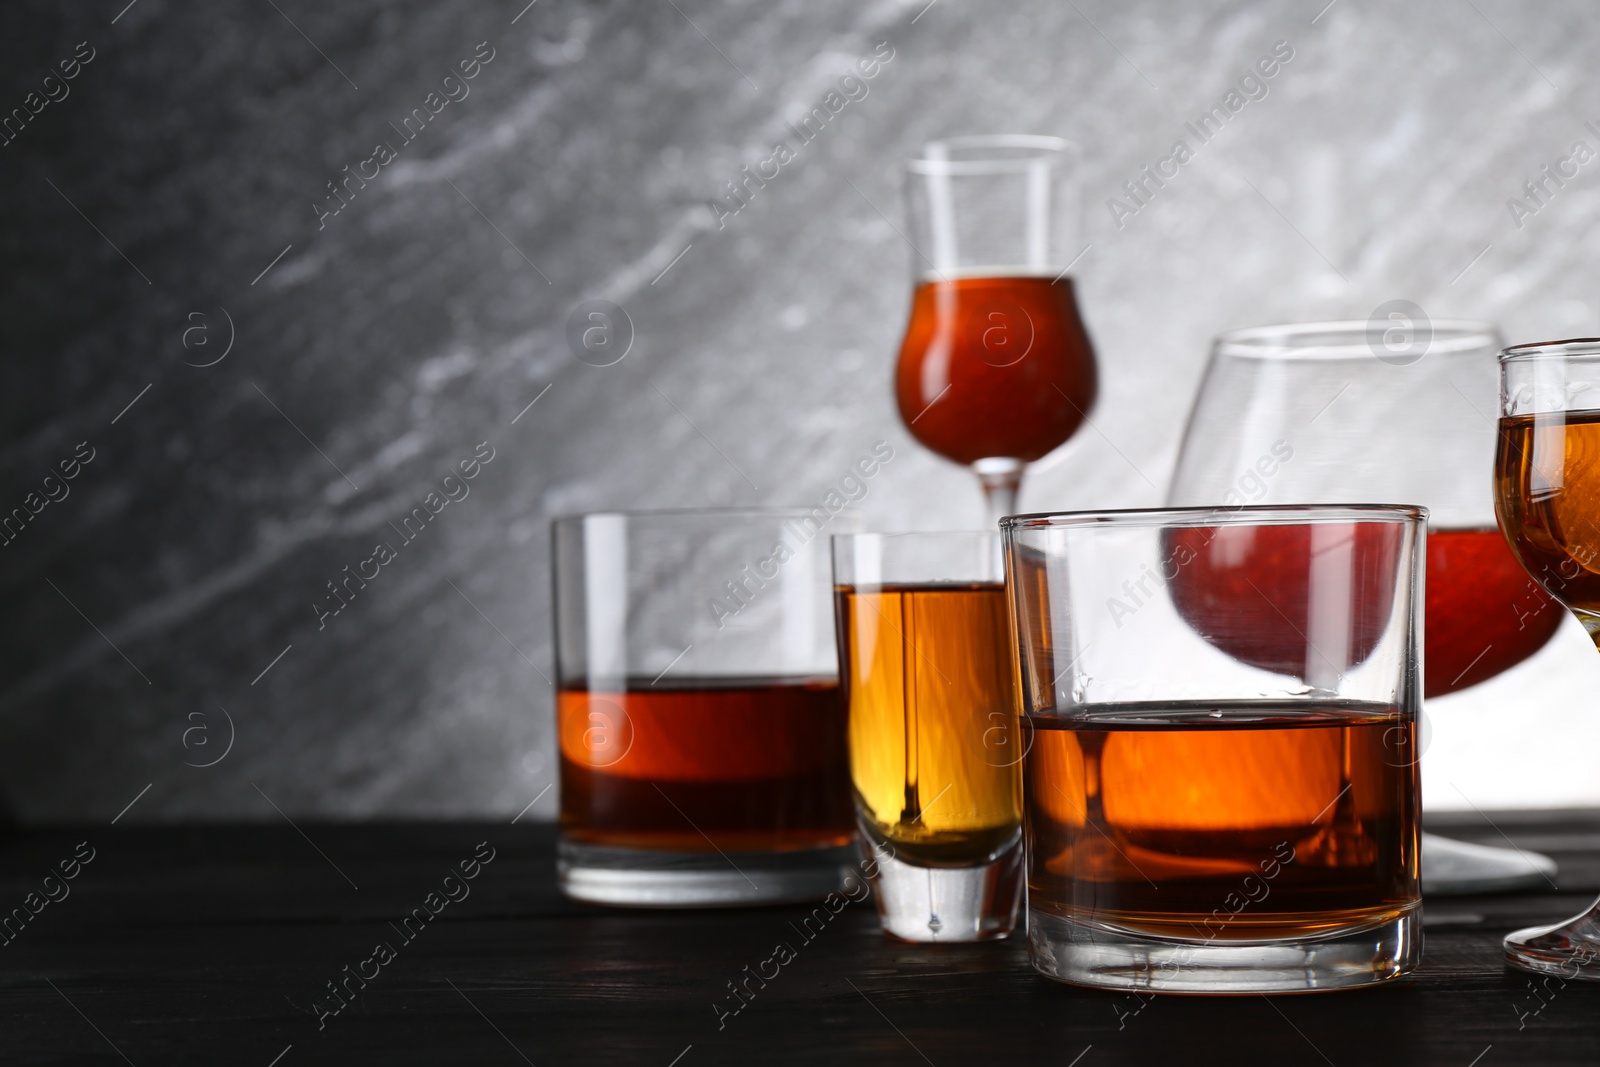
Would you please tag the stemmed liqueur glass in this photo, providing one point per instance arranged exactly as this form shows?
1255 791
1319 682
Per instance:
1547 496
1361 411
996 368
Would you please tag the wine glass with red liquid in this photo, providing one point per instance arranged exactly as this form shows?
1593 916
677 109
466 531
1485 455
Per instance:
1369 412
996 368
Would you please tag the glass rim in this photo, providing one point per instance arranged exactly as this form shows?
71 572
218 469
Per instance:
752 511
917 558
1564 349
1034 148
919 535
1221 515
1348 339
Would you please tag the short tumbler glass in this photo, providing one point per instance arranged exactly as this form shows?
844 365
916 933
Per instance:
929 676
701 733
1221 789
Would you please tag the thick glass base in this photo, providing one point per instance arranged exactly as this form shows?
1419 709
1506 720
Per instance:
641 878
947 903
1570 949
1111 958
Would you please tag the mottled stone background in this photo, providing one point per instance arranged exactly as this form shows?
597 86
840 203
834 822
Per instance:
377 351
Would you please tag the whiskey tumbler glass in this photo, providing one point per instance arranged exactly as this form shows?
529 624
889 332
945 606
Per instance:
928 671
1221 790
701 733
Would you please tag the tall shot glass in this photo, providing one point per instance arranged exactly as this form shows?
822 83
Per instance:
1222 786
928 672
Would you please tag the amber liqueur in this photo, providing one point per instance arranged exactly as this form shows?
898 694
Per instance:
1547 491
995 366
1484 614
705 764
935 748
1236 586
1226 822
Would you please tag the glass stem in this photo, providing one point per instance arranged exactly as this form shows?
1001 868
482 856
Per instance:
1591 624
1001 480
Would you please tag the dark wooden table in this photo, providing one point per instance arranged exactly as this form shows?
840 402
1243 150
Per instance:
217 945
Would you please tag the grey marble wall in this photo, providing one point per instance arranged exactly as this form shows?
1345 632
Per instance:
265 385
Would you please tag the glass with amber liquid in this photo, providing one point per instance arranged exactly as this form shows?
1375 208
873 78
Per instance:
1221 787
698 715
926 663
1387 409
996 368
1547 495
